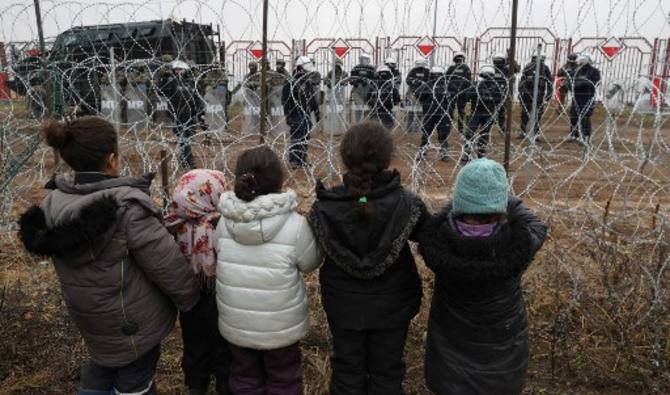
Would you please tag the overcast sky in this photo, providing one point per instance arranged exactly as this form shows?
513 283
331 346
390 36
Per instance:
241 19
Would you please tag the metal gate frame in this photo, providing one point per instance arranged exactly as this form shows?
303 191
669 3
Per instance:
631 62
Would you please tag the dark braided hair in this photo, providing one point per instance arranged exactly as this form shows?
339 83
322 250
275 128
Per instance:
366 151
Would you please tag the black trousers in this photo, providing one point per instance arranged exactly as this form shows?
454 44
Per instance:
136 377
439 122
526 111
206 352
479 133
300 133
458 103
368 362
580 117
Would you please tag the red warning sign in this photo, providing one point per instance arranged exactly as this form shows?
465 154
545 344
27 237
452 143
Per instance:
340 47
425 45
256 50
611 47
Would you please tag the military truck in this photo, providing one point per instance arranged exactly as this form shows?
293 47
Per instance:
79 61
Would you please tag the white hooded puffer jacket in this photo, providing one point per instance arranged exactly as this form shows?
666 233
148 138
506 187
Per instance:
262 247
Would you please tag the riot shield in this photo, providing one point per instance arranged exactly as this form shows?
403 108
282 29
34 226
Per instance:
335 117
137 100
277 120
216 99
251 111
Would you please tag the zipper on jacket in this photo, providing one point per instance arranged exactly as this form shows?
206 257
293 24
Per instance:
123 307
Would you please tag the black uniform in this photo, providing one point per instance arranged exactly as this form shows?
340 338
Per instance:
417 81
340 75
186 107
299 98
502 70
362 78
526 93
487 98
567 74
583 103
459 80
397 77
434 101
384 97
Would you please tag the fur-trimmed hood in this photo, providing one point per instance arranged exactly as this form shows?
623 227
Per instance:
76 221
505 254
366 249
259 220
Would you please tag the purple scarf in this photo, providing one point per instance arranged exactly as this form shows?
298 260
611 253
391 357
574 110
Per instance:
483 230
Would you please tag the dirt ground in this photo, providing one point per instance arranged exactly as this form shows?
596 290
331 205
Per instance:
42 351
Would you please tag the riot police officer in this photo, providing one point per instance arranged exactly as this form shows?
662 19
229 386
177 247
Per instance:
459 80
281 68
417 81
528 97
185 106
299 98
340 74
584 86
487 99
434 101
502 70
566 74
363 75
393 66
385 96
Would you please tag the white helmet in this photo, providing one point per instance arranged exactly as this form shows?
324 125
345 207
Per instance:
383 68
487 70
180 64
437 70
365 59
458 54
584 58
421 63
389 61
305 63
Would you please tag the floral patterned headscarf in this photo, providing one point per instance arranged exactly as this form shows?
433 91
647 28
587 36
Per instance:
193 217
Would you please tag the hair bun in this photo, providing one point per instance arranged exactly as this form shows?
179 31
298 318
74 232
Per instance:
56 134
245 187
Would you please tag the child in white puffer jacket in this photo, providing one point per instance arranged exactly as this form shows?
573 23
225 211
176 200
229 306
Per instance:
263 245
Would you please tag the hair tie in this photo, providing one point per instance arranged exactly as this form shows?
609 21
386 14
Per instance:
363 200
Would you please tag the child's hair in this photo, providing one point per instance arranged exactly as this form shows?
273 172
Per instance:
258 171
83 143
366 150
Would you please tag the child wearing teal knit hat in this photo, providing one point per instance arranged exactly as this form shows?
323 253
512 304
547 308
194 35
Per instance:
479 247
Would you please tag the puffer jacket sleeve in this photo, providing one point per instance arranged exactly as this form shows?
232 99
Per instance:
159 257
538 230
308 253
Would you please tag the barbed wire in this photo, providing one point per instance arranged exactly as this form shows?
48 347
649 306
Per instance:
606 199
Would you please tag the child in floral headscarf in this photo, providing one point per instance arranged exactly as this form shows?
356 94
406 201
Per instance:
193 218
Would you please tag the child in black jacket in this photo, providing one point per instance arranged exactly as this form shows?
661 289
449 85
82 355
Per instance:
370 287
479 246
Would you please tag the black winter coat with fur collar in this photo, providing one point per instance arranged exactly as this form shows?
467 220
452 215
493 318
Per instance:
477 339
369 279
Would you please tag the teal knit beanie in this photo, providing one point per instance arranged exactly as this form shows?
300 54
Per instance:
481 188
